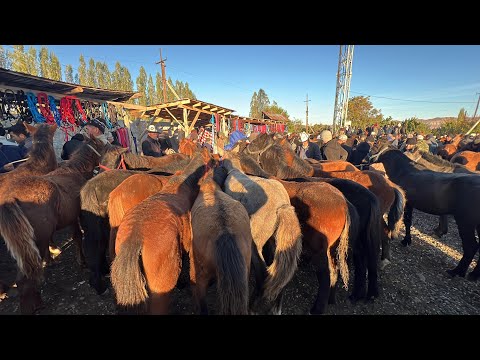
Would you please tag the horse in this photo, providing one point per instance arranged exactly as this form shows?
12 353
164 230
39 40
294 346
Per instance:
450 149
188 147
221 248
94 220
117 157
158 229
367 246
327 219
35 208
271 217
439 194
436 163
127 195
470 159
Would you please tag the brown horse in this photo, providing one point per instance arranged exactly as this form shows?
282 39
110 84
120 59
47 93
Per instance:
115 155
35 208
41 158
326 218
271 217
450 149
330 166
221 248
470 159
158 229
127 195
188 147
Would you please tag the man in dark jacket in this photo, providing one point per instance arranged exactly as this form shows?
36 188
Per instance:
9 153
151 145
71 146
342 139
22 137
332 150
360 153
308 149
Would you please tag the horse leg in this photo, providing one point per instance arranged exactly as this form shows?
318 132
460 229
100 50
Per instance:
359 256
385 246
407 220
277 304
29 295
442 227
470 248
159 303
77 239
199 285
475 274
260 273
320 262
332 300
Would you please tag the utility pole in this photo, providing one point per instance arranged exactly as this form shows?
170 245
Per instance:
344 75
306 118
164 79
475 114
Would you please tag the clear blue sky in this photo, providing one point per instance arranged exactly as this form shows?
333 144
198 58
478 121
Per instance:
228 75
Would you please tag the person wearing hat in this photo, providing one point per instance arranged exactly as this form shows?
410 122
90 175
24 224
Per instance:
410 144
151 146
96 127
332 150
342 139
421 144
308 149
71 146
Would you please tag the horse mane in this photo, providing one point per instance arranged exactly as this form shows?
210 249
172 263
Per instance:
299 165
191 174
251 167
260 143
83 160
436 160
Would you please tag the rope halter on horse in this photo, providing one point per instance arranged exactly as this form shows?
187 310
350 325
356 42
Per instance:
121 165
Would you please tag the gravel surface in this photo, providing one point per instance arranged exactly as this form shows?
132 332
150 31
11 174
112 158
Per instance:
414 283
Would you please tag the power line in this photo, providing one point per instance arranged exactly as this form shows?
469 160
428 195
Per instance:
420 101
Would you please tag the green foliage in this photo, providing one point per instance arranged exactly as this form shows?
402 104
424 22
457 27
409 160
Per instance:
82 71
55 67
44 62
459 126
150 91
69 73
91 74
32 62
5 58
259 103
362 113
142 86
413 125
19 59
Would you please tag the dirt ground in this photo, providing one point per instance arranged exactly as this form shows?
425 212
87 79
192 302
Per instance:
414 283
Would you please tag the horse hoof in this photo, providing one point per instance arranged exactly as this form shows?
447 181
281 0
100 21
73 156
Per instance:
384 263
405 243
455 272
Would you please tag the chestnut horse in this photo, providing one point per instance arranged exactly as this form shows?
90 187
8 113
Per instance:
367 246
115 156
271 217
158 229
450 149
127 195
221 248
35 208
188 147
326 218
470 159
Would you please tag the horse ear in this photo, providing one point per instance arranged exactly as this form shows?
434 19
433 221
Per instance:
31 129
53 128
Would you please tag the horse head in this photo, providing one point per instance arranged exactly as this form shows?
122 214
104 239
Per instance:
112 157
260 144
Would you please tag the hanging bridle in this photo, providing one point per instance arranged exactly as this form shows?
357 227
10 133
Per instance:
121 165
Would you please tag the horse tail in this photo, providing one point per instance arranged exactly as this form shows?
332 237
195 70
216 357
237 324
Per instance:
19 236
395 214
349 229
288 237
232 276
126 274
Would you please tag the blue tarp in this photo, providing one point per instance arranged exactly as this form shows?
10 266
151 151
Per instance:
234 137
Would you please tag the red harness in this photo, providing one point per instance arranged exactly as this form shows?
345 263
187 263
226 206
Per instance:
121 165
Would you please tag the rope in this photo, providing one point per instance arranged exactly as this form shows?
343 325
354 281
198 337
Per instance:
66 110
32 105
105 113
45 109
54 110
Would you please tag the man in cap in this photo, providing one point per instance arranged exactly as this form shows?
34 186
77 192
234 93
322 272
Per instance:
151 146
21 136
308 149
342 139
96 128
421 144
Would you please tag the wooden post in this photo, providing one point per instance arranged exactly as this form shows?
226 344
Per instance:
164 80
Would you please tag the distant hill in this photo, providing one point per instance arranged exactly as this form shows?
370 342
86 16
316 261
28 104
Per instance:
437 122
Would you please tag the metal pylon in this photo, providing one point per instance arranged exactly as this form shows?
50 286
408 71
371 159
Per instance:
344 75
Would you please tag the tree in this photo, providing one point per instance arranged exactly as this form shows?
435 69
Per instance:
126 80
55 67
413 125
32 62
5 60
274 108
158 88
117 77
142 86
69 73
77 80
362 113
44 62
19 59
91 74
258 103
82 71
150 91
462 116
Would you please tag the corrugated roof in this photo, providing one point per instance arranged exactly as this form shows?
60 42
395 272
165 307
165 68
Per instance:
275 117
10 78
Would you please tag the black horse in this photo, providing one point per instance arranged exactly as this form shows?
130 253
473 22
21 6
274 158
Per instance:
438 194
